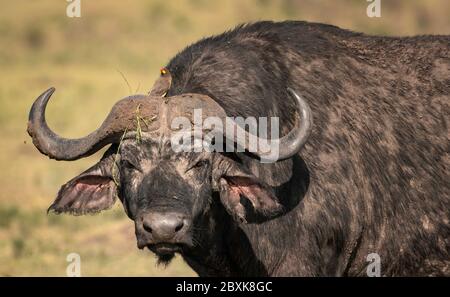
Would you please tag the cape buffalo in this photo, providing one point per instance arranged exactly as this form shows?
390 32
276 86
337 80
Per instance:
363 165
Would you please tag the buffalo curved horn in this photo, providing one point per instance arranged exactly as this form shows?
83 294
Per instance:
291 143
294 141
286 146
56 147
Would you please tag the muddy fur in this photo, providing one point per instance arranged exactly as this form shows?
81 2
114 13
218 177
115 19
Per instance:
373 176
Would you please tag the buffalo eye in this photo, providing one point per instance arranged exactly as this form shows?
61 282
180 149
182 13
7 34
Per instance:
128 165
198 164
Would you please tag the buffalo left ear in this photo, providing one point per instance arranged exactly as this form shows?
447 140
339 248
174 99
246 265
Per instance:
245 197
90 192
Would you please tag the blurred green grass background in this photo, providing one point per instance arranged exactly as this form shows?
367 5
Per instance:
82 57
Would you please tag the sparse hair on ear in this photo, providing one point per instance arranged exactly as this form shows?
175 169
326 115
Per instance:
244 196
90 192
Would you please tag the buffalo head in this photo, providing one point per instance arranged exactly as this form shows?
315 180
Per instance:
167 194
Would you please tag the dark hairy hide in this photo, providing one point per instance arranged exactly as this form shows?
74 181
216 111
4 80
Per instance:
373 177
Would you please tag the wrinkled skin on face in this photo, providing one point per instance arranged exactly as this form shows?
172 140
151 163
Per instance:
168 195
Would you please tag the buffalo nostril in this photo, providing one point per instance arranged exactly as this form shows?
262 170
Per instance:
179 226
147 227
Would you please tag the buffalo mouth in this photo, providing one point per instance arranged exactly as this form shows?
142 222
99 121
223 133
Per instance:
165 252
164 249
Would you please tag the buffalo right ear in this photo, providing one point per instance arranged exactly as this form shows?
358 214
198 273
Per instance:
261 201
90 192
245 197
